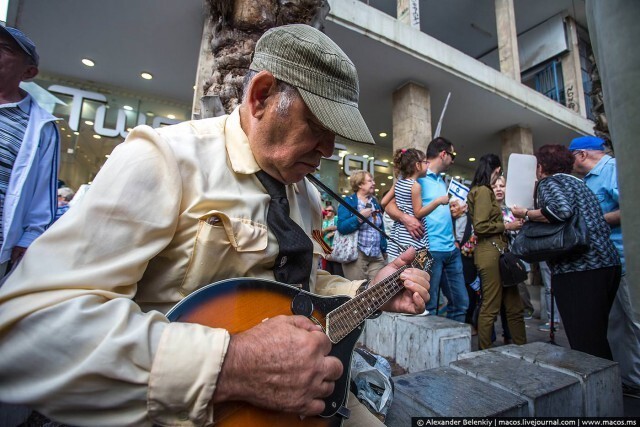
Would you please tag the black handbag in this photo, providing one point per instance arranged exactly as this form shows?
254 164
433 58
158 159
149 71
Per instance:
540 241
512 269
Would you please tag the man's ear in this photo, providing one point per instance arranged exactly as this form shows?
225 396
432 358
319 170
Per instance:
262 86
30 72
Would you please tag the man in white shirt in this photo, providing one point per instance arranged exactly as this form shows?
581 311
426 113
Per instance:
172 210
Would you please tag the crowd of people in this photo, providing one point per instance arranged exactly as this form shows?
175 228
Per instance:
168 214
591 299
466 240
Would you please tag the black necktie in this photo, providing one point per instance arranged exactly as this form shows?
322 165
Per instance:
293 263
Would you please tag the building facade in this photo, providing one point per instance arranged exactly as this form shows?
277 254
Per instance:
514 75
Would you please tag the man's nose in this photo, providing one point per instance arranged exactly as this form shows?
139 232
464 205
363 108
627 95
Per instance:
327 145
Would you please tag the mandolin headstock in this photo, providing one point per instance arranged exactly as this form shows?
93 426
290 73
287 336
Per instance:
423 260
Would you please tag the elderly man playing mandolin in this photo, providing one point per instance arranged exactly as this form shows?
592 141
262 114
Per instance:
84 320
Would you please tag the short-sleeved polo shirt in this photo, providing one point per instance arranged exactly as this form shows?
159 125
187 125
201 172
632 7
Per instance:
439 224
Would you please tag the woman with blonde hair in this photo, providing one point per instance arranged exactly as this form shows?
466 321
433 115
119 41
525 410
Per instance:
371 244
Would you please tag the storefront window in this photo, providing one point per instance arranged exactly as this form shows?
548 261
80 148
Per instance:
95 120
349 157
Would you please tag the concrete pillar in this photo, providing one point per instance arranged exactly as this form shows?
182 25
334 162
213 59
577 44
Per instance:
573 89
409 12
612 25
515 139
205 65
411 117
507 39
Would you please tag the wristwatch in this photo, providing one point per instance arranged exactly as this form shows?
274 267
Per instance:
526 215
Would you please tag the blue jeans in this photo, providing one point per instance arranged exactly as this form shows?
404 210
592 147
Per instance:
447 271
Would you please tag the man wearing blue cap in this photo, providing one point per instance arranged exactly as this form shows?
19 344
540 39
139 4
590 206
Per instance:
29 152
600 175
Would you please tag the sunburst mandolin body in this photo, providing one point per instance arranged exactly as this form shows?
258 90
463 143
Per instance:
239 304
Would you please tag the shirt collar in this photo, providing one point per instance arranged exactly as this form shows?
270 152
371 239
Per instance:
24 104
239 150
597 169
432 173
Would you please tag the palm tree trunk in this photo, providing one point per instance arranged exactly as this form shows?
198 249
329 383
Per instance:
232 28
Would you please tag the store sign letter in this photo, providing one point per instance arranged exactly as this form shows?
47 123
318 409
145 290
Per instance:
79 96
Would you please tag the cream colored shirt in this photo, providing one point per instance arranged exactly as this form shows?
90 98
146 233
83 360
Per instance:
83 336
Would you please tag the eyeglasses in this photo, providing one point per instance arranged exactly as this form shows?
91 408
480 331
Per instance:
452 154
576 152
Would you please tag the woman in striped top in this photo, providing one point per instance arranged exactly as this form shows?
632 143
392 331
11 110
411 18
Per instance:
410 164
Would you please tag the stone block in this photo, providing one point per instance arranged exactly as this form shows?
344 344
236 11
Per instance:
380 335
599 378
548 392
445 392
425 342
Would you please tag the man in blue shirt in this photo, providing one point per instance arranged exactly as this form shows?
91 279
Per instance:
447 268
600 175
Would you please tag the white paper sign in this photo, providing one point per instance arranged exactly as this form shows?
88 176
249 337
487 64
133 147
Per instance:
458 190
521 180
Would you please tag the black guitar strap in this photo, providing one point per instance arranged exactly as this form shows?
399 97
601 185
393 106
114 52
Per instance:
340 200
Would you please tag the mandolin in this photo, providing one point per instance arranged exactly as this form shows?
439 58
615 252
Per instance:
239 304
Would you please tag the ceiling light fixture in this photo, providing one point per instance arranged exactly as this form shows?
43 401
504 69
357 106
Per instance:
88 122
171 116
472 159
383 134
146 76
97 136
88 62
128 108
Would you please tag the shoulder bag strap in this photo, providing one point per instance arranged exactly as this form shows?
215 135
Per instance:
340 200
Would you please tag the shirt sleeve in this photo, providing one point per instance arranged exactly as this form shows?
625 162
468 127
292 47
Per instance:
554 200
42 210
75 345
328 284
347 222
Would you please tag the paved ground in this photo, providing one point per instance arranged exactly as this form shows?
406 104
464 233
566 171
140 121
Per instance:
631 405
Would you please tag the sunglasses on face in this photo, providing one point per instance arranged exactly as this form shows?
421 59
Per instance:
452 154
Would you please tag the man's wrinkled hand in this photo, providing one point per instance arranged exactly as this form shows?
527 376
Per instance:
282 364
413 298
